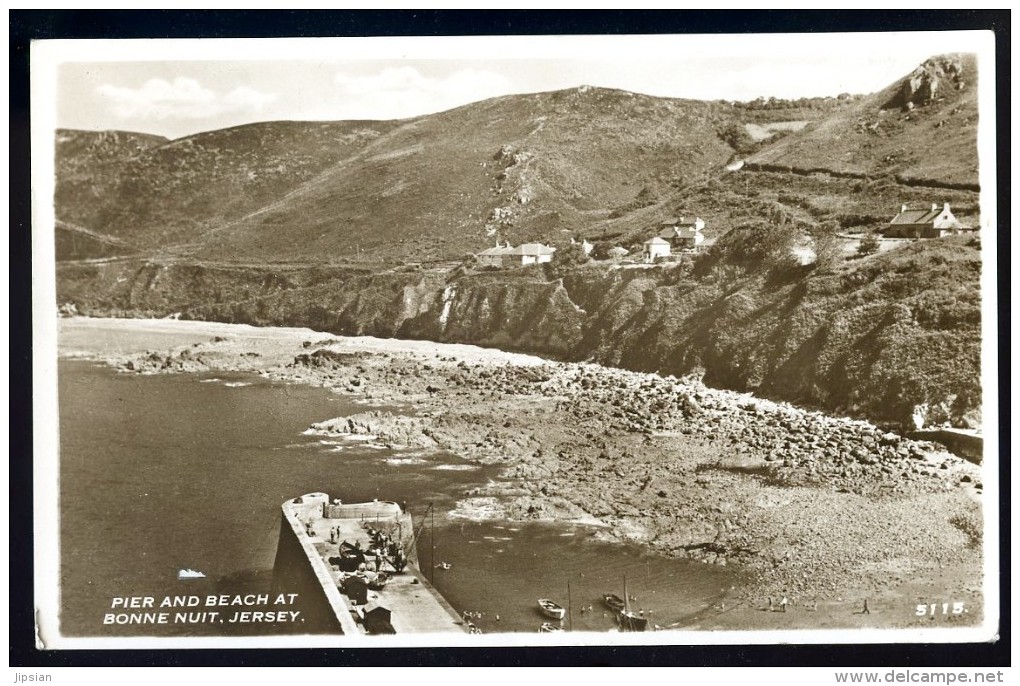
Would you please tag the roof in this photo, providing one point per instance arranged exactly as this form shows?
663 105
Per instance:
373 606
681 231
925 216
520 250
656 241
929 217
533 249
498 251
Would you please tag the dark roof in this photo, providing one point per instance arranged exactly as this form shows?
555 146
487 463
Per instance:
925 216
498 251
929 217
375 606
679 231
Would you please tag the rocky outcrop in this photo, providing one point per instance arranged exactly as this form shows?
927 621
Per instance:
929 81
394 430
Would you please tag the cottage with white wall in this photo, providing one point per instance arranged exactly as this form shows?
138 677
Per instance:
925 223
656 248
521 256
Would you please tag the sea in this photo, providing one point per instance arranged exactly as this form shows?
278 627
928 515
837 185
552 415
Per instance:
160 473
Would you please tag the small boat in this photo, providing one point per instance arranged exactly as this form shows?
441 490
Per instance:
551 609
628 619
444 565
190 574
631 621
549 628
614 602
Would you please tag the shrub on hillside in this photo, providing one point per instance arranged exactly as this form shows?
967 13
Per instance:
827 246
645 197
758 245
566 258
868 245
736 136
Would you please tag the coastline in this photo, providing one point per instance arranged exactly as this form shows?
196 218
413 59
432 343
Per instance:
824 511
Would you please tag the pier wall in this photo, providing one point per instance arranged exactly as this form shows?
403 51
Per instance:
299 569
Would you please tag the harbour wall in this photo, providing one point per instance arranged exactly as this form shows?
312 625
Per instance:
307 542
299 569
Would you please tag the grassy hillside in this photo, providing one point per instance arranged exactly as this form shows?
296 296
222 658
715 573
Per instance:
516 168
78 148
921 127
173 193
78 243
528 167
599 163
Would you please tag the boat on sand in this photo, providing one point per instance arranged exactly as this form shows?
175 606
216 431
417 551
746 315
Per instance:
551 609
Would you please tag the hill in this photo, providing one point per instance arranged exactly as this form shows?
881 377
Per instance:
167 193
921 127
522 167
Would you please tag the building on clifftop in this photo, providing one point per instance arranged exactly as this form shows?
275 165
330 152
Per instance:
683 233
521 256
925 223
656 248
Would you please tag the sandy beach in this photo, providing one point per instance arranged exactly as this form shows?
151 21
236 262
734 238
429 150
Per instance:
853 526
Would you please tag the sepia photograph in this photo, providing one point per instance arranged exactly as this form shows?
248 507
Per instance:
673 339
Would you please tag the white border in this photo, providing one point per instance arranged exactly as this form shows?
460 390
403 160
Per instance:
46 56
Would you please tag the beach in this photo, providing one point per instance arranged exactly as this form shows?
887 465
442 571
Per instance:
824 512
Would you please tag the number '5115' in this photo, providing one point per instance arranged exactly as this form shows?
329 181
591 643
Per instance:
940 608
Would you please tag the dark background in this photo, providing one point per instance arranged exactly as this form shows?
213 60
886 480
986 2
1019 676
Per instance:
28 25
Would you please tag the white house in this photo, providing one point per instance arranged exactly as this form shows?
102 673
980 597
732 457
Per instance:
683 233
532 253
656 248
495 257
521 256
925 223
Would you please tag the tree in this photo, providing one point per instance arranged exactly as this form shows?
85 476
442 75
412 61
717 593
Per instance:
736 136
868 245
827 246
566 258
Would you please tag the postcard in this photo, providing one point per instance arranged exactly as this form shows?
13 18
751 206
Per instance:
515 341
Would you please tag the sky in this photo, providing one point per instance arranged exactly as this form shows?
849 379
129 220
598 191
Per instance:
177 88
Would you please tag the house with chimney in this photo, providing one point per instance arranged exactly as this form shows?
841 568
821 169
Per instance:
928 222
683 233
523 255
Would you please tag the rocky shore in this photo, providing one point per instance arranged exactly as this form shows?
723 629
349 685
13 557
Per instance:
819 509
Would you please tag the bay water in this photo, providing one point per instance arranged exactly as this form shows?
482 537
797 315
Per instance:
160 473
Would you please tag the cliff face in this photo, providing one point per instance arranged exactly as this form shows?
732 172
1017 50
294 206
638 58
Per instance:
870 339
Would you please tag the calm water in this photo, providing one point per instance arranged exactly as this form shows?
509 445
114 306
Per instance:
161 473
